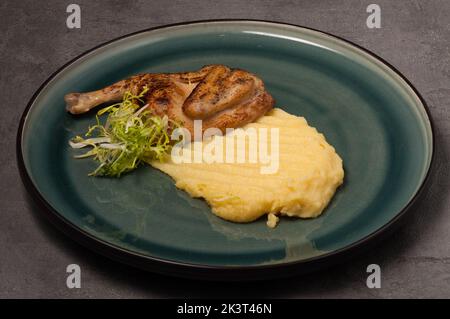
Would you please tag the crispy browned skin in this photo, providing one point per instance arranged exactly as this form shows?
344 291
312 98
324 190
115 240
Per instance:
220 96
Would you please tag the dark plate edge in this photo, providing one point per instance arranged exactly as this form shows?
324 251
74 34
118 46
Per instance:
208 272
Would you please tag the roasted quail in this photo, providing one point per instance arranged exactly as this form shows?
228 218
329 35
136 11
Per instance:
219 96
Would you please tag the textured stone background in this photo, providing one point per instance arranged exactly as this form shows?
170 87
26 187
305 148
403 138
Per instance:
34 42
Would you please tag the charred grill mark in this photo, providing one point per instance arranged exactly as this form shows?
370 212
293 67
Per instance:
163 101
216 97
241 80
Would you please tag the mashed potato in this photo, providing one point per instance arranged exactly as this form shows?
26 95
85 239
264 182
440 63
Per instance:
307 174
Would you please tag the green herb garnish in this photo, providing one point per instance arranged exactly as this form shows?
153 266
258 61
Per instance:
130 136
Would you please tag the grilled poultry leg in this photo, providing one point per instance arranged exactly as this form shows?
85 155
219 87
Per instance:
220 96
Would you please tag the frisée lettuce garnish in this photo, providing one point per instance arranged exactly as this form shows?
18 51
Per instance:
131 135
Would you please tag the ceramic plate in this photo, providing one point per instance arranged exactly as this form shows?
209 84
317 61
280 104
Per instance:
370 113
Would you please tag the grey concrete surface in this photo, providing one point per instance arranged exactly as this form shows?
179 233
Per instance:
34 42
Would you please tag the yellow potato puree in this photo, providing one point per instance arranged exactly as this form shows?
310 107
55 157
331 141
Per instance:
308 173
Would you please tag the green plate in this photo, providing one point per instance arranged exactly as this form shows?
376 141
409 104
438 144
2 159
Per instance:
372 116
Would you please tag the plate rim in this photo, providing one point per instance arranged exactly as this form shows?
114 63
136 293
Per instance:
203 271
